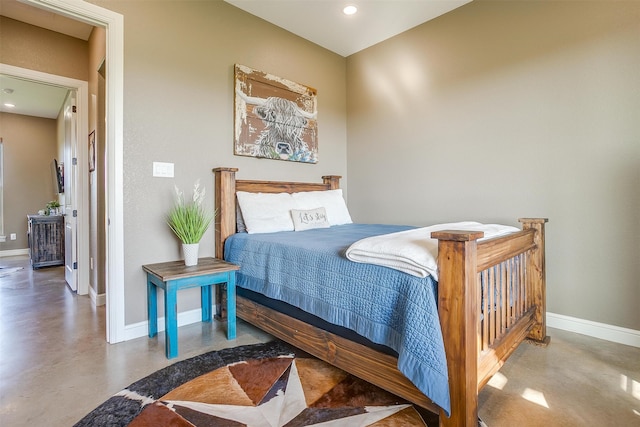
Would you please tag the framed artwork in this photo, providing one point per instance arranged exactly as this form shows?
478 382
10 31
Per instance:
92 151
274 118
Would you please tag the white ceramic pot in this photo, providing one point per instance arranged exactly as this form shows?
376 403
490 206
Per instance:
190 252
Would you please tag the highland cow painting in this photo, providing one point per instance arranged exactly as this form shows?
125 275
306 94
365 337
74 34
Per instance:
274 118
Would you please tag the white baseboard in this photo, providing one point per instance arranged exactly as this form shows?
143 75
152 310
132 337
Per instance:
559 321
96 298
141 329
14 252
594 329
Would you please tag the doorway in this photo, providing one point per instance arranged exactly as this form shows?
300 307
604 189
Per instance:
114 245
79 188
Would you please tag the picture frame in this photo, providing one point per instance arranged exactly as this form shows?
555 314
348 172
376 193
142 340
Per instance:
92 151
274 118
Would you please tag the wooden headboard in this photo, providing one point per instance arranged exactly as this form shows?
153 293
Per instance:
226 186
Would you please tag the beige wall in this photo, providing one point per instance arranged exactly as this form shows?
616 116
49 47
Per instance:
29 147
35 48
97 53
178 108
500 110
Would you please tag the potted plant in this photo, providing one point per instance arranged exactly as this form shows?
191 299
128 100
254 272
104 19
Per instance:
189 221
52 207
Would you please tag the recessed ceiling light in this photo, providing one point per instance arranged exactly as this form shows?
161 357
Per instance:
349 10
9 105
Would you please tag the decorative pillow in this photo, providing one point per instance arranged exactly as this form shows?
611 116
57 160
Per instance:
266 212
240 226
309 218
331 200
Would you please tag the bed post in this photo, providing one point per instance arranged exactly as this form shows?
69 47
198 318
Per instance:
225 222
536 275
458 298
225 199
332 180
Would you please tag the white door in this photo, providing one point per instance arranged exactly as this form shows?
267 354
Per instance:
70 189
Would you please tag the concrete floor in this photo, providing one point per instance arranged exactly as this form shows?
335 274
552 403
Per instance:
55 365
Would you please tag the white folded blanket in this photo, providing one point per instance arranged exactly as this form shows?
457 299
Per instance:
414 251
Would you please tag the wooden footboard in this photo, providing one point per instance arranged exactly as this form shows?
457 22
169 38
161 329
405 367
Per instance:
491 296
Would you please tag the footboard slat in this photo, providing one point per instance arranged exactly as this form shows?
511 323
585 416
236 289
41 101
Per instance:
502 299
510 294
484 334
492 302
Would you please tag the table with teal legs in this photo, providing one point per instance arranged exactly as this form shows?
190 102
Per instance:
173 276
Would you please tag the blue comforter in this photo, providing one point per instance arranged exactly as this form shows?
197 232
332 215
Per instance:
309 270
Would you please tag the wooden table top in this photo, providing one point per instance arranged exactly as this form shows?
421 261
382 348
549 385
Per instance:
177 270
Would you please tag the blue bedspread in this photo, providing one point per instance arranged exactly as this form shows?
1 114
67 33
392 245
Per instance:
309 270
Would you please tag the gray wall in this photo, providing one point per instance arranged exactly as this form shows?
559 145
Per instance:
178 108
29 148
500 110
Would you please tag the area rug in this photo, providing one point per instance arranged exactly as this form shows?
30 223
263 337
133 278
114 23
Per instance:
270 384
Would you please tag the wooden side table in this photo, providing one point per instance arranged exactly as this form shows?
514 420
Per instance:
173 276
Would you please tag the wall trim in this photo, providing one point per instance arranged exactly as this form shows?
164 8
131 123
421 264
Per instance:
603 331
141 329
14 252
96 298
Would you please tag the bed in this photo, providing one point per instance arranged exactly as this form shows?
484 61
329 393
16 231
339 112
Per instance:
489 297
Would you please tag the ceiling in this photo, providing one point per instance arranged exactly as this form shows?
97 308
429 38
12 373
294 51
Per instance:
323 23
30 98
375 21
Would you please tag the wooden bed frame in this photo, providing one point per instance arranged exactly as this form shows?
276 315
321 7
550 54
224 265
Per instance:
479 333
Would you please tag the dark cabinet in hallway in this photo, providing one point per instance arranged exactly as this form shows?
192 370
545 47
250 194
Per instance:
46 240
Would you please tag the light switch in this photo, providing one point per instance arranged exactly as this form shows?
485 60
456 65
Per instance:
164 170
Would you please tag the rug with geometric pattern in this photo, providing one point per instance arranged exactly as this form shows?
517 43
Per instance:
261 385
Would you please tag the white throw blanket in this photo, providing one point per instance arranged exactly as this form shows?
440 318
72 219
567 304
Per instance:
414 251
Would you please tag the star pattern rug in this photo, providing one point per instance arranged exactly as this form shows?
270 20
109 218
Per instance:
262 385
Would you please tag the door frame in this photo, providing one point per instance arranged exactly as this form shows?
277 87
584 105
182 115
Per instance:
114 25
80 191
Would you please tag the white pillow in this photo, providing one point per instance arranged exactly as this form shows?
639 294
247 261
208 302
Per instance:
309 219
331 200
266 212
